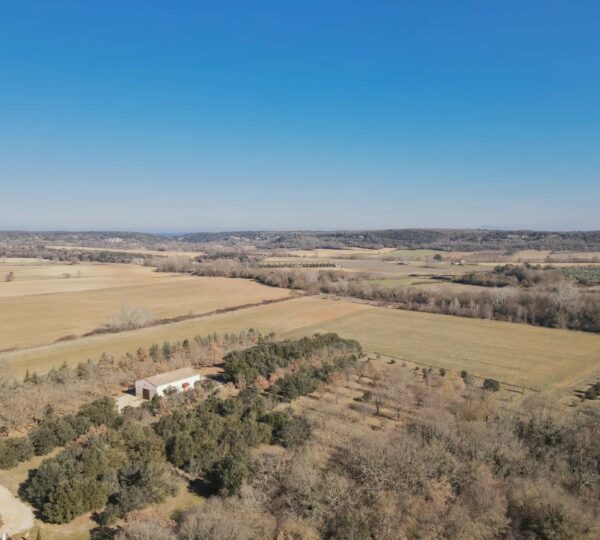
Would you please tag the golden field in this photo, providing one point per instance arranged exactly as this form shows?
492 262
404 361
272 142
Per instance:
386 268
514 353
42 305
141 251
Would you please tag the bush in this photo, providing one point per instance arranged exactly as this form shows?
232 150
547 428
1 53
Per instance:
229 473
491 385
14 451
295 432
288 429
243 367
101 412
74 482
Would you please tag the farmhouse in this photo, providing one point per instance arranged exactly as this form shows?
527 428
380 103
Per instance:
179 379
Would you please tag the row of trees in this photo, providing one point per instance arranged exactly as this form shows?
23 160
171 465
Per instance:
121 466
118 470
118 465
263 359
212 441
451 464
558 304
53 431
65 388
525 276
71 255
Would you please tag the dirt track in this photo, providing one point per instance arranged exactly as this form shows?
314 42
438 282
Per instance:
17 517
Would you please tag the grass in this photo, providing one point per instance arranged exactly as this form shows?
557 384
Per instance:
427 283
40 307
414 253
142 251
397 282
516 353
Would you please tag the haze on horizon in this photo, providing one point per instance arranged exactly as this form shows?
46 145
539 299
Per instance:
198 116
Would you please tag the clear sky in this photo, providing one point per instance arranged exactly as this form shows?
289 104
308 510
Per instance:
190 116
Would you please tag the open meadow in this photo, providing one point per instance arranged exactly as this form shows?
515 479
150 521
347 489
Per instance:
519 354
44 303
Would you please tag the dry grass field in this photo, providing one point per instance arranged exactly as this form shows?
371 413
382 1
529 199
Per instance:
387 269
337 253
143 251
427 283
518 354
41 305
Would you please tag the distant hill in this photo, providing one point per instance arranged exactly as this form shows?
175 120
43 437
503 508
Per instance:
443 239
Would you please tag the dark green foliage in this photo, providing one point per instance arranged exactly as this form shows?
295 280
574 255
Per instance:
43 439
243 367
196 440
101 412
288 429
593 392
76 481
491 384
13 451
302 382
125 468
214 439
525 275
229 473
53 431
141 483
541 435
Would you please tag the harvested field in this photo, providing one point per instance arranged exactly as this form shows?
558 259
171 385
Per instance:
142 251
429 284
387 269
40 306
335 253
47 277
519 354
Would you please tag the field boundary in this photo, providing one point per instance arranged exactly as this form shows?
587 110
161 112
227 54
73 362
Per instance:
179 318
520 388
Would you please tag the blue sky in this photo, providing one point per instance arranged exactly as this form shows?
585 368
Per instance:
190 116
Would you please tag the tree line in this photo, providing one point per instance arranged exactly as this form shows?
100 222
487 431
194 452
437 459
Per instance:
555 303
65 388
117 464
448 462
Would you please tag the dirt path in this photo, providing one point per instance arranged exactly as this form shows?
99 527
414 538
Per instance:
17 517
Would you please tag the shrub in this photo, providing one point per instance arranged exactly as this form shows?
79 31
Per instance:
229 473
13 451
491 385
74 482
103 411
243 367
288 429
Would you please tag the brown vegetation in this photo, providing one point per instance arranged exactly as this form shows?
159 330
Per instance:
559 305
64 389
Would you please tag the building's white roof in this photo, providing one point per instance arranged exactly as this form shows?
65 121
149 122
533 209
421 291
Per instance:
171 376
